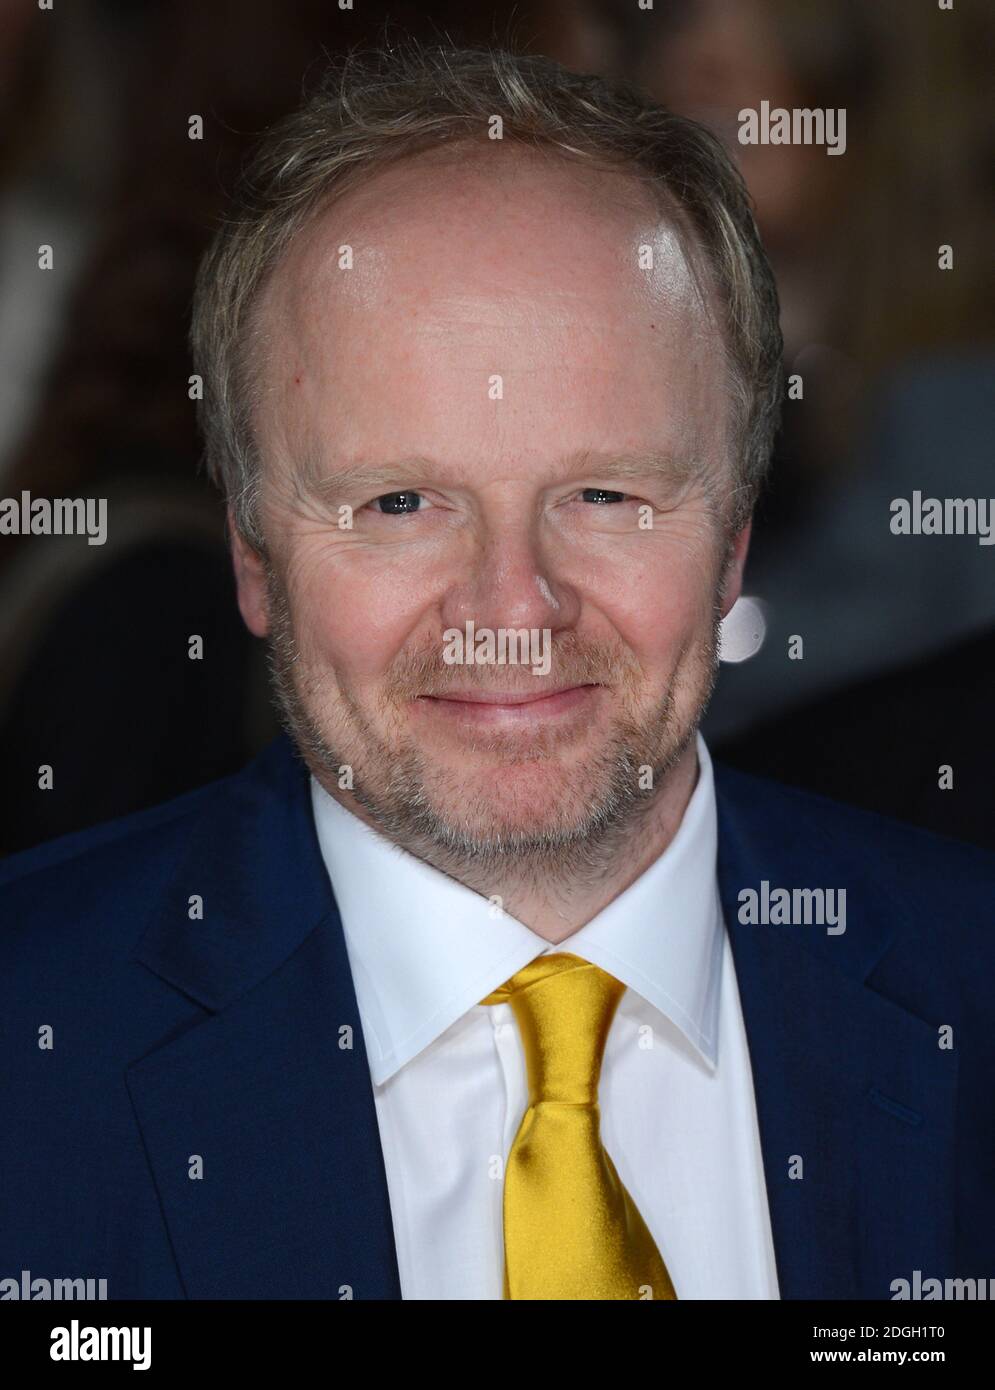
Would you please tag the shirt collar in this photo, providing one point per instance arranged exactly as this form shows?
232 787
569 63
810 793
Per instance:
424 949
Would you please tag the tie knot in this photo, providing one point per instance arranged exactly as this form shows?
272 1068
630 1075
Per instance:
564 1008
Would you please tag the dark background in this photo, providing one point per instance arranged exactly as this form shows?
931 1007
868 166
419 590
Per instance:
897 359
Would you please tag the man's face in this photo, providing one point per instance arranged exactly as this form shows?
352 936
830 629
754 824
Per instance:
496 416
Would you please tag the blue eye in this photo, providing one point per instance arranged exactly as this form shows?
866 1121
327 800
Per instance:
601 495
398 503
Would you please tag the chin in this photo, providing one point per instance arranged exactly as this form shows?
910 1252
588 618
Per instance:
528 798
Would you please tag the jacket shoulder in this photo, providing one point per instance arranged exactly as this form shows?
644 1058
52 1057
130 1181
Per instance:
85 898
101 885
768 809
125 835
926 900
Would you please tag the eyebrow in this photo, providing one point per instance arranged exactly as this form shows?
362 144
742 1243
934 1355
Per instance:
672 467
618 466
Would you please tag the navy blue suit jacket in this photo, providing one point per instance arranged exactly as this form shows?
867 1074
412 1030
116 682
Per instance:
227 1038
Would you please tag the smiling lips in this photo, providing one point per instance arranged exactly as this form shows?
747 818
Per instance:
491 704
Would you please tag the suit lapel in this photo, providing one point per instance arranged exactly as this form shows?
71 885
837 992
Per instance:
270 1091
846 1080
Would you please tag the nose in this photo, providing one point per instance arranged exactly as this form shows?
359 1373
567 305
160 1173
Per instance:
509 579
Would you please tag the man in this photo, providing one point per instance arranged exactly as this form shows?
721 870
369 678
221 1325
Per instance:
504 991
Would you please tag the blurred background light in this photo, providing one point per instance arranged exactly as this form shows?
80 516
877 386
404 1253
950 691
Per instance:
743 629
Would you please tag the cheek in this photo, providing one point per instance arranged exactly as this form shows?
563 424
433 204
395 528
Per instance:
662 604
351 617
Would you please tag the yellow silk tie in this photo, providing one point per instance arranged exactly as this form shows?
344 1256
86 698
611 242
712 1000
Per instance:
571 1230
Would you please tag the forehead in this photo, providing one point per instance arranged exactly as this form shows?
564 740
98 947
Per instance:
503 218
508 260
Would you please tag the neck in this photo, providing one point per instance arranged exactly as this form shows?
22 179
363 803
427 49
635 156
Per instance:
555 904
556 908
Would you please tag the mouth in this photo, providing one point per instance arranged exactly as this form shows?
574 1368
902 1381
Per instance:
497 705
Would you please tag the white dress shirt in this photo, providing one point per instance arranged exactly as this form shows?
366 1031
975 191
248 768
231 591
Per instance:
677 1107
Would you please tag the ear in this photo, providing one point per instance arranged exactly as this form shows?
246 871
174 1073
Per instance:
732 585
250 582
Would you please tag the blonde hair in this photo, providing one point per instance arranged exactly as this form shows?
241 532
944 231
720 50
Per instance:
369 110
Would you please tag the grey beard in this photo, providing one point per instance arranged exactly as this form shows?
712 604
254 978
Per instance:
399 804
